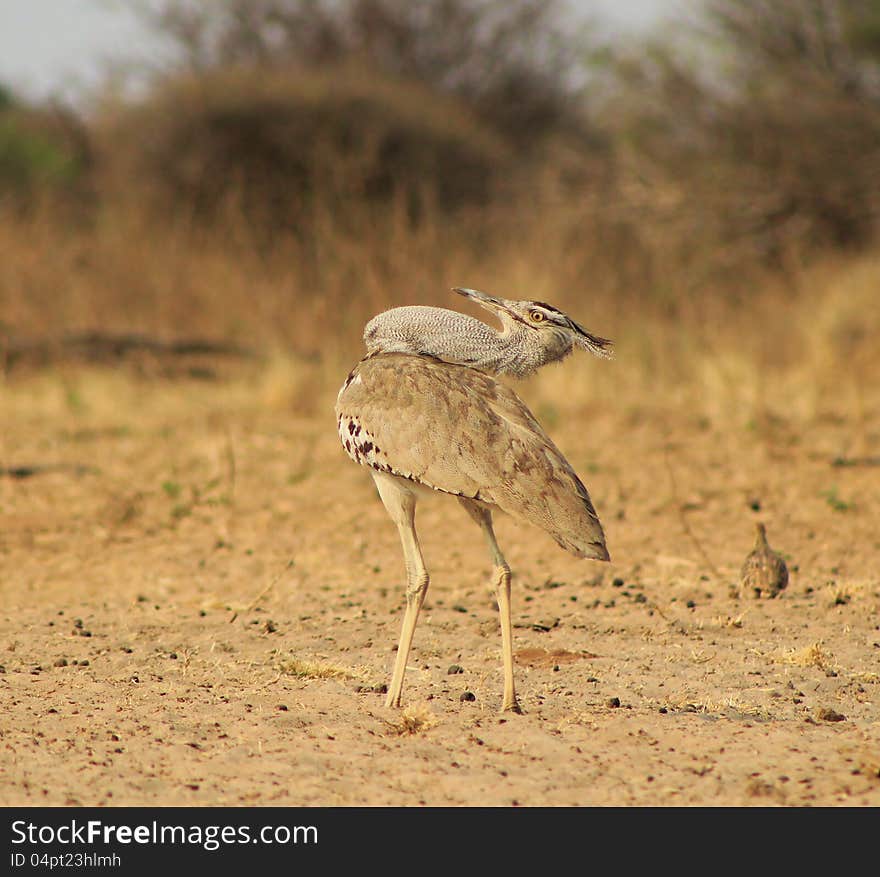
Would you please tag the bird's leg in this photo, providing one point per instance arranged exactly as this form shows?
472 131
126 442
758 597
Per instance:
401 506
501 580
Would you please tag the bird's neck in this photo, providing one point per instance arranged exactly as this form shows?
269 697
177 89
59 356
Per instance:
516 350
520 352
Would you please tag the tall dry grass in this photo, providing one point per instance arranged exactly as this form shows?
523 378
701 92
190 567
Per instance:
798 345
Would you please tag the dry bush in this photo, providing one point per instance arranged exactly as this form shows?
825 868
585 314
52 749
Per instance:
278 145
514 63
759 138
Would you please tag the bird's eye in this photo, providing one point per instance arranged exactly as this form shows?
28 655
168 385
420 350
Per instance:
536 317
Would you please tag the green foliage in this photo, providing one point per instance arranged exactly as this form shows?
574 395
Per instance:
172 489
6 98
29 159
35 154
833 499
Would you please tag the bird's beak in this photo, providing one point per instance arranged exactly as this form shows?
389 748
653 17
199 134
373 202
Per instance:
489 302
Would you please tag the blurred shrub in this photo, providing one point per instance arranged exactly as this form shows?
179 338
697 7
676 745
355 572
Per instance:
278 143
41 150
761 136
281 106
515 63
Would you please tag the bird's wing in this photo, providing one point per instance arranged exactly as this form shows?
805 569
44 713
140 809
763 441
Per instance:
458 430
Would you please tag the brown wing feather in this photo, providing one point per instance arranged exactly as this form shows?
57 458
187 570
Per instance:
456 429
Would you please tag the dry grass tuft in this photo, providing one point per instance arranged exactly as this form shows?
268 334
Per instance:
305 669
412 720
811 656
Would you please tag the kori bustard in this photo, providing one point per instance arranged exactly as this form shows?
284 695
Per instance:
423 412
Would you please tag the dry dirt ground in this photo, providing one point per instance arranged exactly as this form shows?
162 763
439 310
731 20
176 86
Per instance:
201 597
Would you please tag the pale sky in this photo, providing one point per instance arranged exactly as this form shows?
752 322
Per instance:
64 48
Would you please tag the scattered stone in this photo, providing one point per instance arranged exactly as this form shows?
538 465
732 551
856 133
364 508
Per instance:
467 696
60 662
381 688
454 669
613 702
826 714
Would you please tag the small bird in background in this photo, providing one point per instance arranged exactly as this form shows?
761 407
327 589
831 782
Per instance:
764 573
423 412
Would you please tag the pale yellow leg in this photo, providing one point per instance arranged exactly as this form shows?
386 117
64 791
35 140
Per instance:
501 580
401 506
502 590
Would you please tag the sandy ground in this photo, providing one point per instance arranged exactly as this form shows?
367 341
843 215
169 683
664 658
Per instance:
201 597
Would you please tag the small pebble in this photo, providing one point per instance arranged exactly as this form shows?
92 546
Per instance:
829 715
454 668
60 662
467 695
613 702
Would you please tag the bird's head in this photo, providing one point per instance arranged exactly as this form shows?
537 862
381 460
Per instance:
552 328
